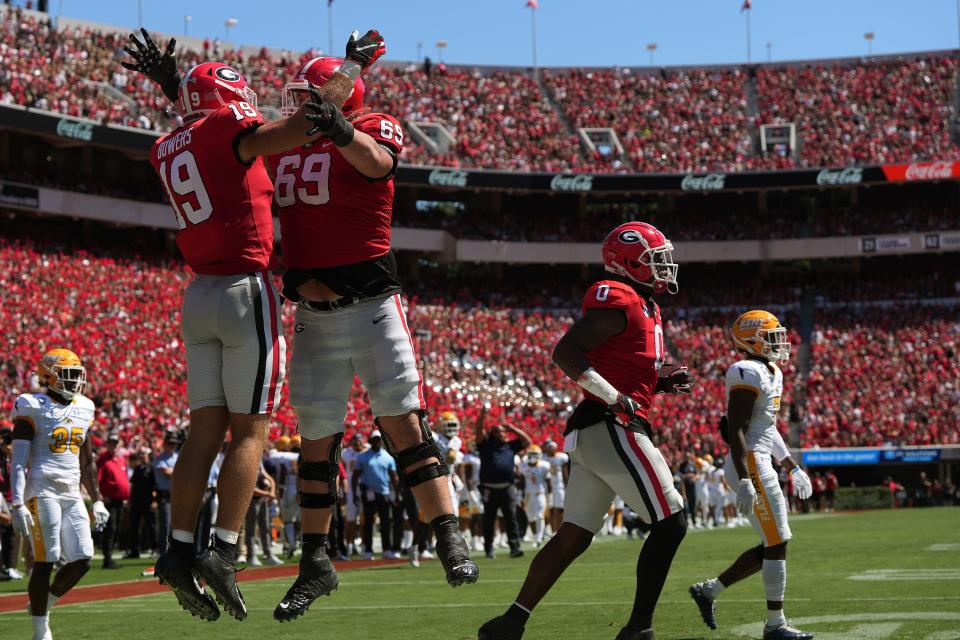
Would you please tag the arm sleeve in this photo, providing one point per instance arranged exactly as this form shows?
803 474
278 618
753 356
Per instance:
18 468
779 448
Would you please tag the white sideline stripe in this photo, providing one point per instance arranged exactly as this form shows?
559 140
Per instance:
873 625
896 575
947 546
87 607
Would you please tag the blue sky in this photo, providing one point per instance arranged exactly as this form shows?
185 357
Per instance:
569 32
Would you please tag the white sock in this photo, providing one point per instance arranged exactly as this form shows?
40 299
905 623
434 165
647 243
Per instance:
181 535
40 624
714 588
775 618
541 527
230 537
407 539
775 579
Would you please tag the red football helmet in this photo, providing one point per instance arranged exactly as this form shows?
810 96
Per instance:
210 86
316 72
640 252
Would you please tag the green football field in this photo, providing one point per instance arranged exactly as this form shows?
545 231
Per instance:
868 575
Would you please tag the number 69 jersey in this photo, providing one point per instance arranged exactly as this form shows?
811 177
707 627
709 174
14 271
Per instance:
631 360
330 213
58 433
222 205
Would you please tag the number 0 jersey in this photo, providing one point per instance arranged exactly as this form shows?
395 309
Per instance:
767 381
222 206
330 213
631 360
58 433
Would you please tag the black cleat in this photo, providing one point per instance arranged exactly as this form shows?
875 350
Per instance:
454 555
516 553
221 576
632 633
785 632
173 572
500 628
708 608
318 577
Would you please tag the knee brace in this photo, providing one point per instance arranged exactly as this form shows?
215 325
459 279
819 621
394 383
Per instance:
324 471
421 451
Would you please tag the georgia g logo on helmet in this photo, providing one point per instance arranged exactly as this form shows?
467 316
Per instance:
630 236
228 74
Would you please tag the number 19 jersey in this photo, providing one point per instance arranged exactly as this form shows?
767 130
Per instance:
58 433
630 360
222 206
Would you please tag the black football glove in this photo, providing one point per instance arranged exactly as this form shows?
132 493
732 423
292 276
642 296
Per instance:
625 408
679 380
366 50
159 67
327 120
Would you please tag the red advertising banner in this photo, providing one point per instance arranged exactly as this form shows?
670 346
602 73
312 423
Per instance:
936 170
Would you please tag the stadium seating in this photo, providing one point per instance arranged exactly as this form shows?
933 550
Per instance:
475 355
674 120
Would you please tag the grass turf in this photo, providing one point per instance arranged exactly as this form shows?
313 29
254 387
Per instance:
905 590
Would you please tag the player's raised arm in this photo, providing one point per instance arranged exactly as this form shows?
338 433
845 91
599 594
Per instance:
159 67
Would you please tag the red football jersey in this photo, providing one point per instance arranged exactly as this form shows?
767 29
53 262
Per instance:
631 360
330 213
223 206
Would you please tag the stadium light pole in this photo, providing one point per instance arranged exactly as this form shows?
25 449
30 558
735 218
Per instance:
186 24
770 51
868 36
651 48
229 22
441 45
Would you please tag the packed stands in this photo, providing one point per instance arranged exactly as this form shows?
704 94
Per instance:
669 120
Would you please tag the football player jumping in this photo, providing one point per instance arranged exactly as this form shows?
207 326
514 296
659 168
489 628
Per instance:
754 387
50 439
221 195
615 352
335 201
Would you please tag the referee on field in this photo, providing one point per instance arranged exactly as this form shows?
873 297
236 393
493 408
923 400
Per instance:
497 480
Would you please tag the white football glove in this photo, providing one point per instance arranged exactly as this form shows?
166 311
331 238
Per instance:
802 486
746 496
100 515
22 520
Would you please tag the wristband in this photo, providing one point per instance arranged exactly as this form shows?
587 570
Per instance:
350 68
595 383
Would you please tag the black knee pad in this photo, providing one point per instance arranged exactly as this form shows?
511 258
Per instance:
670 531
323 471
424 450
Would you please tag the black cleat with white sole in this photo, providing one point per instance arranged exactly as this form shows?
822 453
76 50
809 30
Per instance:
500 628
172 571
707 606
785 632
453 552
318 577
220 574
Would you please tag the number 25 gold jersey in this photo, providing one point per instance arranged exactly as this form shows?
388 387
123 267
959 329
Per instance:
58 433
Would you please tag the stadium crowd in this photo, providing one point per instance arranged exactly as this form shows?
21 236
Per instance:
676 120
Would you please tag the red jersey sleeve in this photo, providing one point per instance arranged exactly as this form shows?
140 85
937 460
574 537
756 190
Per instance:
383 128
609 294
228 122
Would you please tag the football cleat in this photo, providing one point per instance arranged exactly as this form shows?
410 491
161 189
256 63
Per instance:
454 555
708 608
632 633
500 628
785 632
318 577
173 572
221 576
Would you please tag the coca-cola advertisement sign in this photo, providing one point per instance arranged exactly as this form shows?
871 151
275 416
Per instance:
578 182
847 175
73 129
708 182
921 171
443 178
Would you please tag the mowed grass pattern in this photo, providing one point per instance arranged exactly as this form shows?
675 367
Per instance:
593 600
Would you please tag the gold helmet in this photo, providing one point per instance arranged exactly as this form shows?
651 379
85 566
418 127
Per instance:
760 334
61 371
283 443
295 442
534 454
450 423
